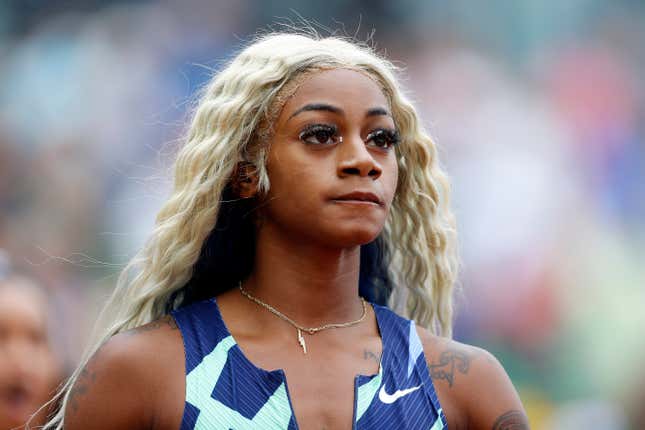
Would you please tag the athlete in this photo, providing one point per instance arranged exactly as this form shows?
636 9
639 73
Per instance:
307 197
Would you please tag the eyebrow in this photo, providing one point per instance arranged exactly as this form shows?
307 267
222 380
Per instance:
377 111
333 109
317 106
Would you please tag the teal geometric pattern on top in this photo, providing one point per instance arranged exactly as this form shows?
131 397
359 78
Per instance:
438 425
225 390
200 383
365 394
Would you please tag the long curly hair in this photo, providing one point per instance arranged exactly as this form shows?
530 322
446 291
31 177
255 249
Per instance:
413 263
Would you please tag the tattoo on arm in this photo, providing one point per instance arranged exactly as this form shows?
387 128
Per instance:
512 420
449 361
87 376
371 355
85 379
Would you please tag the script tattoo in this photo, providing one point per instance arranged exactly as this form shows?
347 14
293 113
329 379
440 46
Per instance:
511 420
449 361
370 355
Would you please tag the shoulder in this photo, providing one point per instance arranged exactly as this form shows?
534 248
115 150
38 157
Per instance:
472 385
122 384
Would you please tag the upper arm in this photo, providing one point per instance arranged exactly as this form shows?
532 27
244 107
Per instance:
492 402
473 387
116 388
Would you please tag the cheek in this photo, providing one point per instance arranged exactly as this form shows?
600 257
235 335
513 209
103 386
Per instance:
47 366
390 178
295 174
295 195
291 190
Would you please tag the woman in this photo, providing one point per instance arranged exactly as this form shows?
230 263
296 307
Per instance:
305 179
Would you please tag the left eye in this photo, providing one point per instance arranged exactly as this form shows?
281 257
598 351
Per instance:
319 134
383 138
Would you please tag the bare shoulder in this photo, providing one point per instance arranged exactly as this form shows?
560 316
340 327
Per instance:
451 362
472 385
120 386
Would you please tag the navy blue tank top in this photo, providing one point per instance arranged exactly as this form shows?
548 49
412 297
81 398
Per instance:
224 390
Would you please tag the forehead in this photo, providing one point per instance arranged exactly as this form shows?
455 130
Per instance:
21 305
338 87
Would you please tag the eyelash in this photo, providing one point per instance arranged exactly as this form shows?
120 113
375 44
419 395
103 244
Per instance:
391 136
314 129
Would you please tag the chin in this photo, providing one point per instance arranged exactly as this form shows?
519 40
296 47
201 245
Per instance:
354 237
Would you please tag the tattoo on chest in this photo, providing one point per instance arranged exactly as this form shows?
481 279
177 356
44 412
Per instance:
511 420
371 355
449 362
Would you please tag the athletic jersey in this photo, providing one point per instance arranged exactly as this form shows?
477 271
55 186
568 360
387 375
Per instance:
224 390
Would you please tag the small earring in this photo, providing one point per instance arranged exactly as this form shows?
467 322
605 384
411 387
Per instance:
340 139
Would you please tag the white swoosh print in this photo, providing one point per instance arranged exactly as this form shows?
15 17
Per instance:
391 398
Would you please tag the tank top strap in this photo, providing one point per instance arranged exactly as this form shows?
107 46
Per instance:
201 328
223 388
403 360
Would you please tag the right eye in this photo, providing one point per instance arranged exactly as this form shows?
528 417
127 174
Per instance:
319 134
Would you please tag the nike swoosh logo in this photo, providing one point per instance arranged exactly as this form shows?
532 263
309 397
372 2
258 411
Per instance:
391 398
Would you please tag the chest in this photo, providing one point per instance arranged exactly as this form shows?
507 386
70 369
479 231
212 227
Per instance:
338 384
322 385
327 395
231 389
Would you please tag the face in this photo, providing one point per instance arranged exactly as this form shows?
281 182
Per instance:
27 365
332 163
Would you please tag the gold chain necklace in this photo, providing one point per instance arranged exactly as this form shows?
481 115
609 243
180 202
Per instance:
310 330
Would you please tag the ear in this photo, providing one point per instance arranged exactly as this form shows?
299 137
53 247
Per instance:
245 180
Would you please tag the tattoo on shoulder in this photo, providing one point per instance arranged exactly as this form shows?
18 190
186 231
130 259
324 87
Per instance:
512 420
371 355
165 321
450 362
85 379
80 388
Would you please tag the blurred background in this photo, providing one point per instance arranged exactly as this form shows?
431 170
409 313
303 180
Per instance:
538 109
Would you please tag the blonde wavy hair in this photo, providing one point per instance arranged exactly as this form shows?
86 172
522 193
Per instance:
419 235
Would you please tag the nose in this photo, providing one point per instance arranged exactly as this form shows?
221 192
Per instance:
355 159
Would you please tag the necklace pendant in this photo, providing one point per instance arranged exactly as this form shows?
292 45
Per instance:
301 341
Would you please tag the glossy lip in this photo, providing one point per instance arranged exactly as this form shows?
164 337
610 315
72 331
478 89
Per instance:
359 197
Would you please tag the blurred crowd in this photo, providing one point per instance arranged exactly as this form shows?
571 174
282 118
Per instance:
537 108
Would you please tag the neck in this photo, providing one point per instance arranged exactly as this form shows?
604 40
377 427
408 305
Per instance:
310 283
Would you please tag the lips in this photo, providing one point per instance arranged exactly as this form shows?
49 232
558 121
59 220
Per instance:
18 401
358 197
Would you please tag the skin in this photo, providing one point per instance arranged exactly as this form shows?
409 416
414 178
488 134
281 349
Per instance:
307 266
28 368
